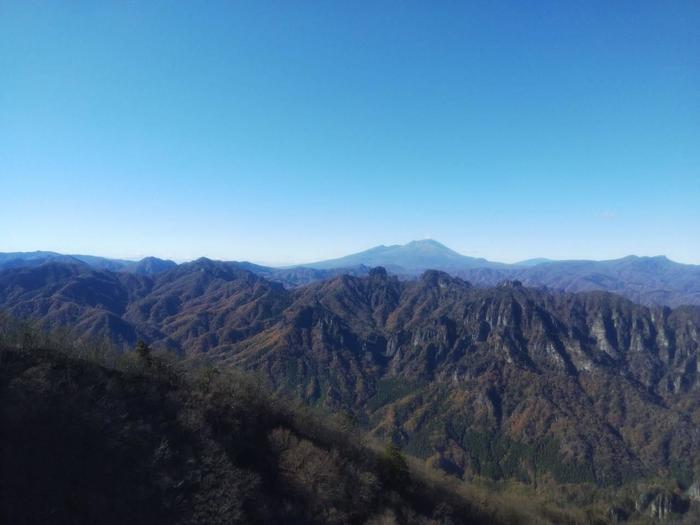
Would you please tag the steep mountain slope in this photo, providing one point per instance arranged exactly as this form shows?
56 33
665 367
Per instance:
91 302
149 441
586 387
184 308
203 304
504 382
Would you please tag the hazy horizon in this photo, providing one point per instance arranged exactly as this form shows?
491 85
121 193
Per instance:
302 262
287 134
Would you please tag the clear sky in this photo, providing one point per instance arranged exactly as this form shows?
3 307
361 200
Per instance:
295 131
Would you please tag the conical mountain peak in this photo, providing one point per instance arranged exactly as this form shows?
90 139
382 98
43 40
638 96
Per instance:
411 258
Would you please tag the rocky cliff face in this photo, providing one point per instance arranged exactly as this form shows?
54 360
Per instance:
609 386
508 381
659 504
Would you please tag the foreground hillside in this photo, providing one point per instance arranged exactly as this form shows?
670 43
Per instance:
91 436
143 439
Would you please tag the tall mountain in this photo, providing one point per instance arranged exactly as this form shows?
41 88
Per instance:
505 382
151 441
411 258
493 381
647 280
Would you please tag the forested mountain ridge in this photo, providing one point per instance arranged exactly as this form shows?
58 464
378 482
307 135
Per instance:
86 437
445 368
503 382
646 280
653 281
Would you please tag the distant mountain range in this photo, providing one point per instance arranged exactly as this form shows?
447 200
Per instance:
503 382
146 266
644 280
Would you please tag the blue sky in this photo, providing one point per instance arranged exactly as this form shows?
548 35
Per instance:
295 131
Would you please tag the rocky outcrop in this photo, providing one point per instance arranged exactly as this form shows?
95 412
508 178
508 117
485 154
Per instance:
617 515
693 492
660 505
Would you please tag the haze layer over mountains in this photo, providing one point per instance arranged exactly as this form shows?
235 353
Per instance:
645 280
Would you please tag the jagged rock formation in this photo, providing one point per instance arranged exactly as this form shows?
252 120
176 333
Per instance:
660 504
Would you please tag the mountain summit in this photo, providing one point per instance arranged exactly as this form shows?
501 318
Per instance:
411 258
